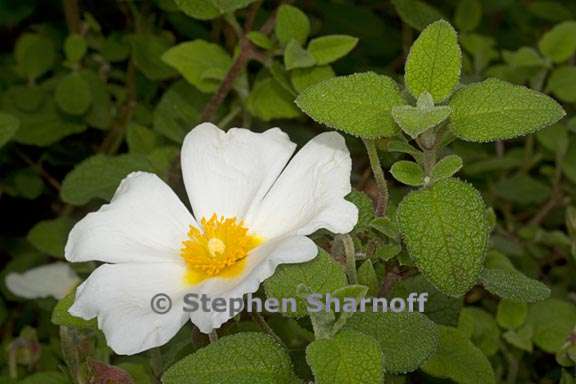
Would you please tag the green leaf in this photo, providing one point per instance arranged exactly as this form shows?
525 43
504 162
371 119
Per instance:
140 139
260 39
365 209
269 100
523 57
521 338
510 314
99 176
291 23
147 51
24 182
8 127
416 120
322 275
513 286
550 10
179 109
60 315
210 9
468 15
408 172
559 44
49 236
522 189
446 167
434 62
416 13
358 104
348 358
327 49
242 358
481 328
35 54
367 276
100 113
439 308
303 78
46 377
446 231
562 83
459 360
497 110
75 47
297 57
195 59
552 321
407 339
73 94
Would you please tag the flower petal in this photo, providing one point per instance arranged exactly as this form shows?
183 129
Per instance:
227 172
120 295
145 222
54 280
261 264
309 194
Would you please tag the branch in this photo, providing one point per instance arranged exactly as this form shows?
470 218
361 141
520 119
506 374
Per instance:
72 13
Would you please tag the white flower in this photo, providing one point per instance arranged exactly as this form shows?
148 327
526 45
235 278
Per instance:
55 280
252 211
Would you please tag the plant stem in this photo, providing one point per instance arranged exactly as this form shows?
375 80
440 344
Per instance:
349 251
213 337
382 203
72 13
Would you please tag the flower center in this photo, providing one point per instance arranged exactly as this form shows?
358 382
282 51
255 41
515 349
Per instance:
218 248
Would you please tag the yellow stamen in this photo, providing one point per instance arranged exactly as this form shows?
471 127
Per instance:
219 248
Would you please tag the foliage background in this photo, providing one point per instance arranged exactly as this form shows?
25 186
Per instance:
87 95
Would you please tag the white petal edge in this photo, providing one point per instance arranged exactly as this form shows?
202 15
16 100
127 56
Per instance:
262 263
144 222
52 280
120 296
226 173
309 194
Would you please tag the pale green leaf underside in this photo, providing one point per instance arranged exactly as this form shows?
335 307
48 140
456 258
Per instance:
413 120
358 104
291 23
434 62
327 49
241 358
407 339
559 43
348 358
497 110
446 167
459 360
210 9
513 286
446 231
408 172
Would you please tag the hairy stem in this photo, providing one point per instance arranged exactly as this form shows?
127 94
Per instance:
350 253
382 203
213 337
259 319
72 14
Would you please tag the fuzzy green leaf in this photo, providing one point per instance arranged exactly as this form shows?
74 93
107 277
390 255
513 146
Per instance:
297 57
291 23
497 110
242 358
562 83
446 167
322 275
408 172
60 315
269 100
434 62
303 78
407 339
99 176
552 320
210 9
513 286
35 54
446 231
559 44
481 328
358 104
510 314
73 94
75 47
49 236
416 13
260 39
459 360
147 51
468 15
348 358
327 49
414 121
198 61
8 127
